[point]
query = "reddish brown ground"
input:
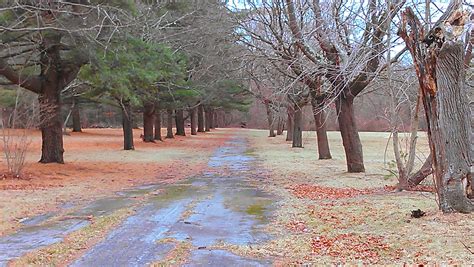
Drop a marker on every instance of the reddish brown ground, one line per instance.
(96, 166)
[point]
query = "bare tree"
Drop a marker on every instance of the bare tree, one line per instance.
(351, 40)
(15, 135)
(268, 35)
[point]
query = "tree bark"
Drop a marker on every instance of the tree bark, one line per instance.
(321, 135)
(51, 124)
(127, 126)
(158, 124)
(349, 134)
(76, 117)
(169, 125)
(200, 118)
(192, 116)
(290, 124)
(271, 127)
(180, 129)
(425, 170)
(54, 79)
(298, 128)
(449, 130)
(441, 75)
(319, 120)
(148, 121)
(317, 105)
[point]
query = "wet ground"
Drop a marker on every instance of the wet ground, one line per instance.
(220, 206)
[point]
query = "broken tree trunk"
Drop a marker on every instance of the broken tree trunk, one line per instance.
(441, 75)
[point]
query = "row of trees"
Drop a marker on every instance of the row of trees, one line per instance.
(144, 56)
(326, 53)
(193, 58)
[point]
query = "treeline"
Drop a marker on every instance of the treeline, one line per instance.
(326, 54)
(151, 57)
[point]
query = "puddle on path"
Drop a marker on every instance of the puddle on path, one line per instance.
(222, 258)
(203, 210)
(39, 232)
(217, 207)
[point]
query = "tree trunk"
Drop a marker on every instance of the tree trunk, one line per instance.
(407, 179)
(349, 134)
(192, 116)
(52, 149)
(290, 124)
(425, 170)
(208, 119)
(169, 125)
(216, 119)
(127, 125)
(319, 113)
(280, 126)
(200, 118)
(441, 75)
(180, 129)
(224, 119)
(148, 121)
(271, 127)
(448, 115)
(211, 118)
(158, 124)
(322, 136)
(76, 117)
(51, 125)
(298, 128)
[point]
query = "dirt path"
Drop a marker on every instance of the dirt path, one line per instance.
(184, 223)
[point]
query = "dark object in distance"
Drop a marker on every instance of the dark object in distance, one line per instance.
(417, 213)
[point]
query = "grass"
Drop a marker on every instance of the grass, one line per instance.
(382, 218)
(372, 228)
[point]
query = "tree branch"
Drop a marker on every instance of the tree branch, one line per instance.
(31, 83)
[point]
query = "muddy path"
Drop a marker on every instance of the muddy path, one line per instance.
(220, 206)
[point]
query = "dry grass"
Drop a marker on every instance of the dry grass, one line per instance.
(318, 218)
(96, 166)
(355, 228)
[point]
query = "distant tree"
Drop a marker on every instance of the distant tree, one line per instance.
(131, 73)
